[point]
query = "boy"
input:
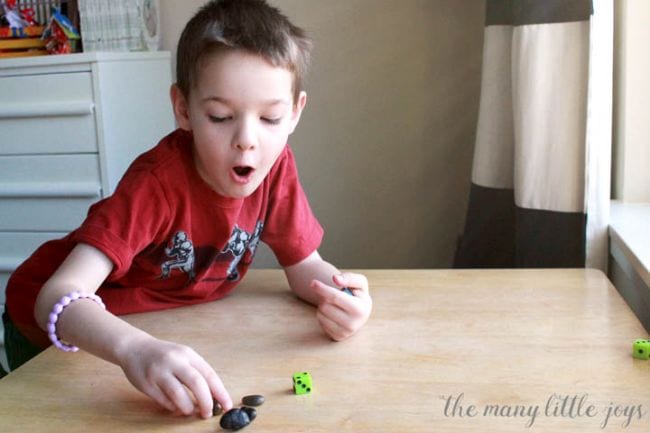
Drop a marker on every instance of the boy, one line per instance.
(183, 224)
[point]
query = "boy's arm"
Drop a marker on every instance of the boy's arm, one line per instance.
(160, 369)
(319, 283)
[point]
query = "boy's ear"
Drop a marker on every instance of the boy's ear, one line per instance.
(180, 107)
(297, 110)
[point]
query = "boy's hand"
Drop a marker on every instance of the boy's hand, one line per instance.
(339, 314)
(175, 376)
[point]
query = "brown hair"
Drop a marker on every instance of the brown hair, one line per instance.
(251, 25)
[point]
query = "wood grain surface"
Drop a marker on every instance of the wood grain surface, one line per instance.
(444, 351)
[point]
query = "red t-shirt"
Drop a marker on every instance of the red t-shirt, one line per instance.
(174, 241)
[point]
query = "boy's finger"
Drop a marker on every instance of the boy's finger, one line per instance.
(177, 394)
(334, 313)
(220, 393)
(332, 295)
(159, 397)
(217, 389)
(324, 292)
(198, 386)
(330, 327)
(352, 281)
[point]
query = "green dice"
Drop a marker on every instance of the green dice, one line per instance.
(302, 383)
(641, 349)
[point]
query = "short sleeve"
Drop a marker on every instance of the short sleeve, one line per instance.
(125, 223)
(291, 229)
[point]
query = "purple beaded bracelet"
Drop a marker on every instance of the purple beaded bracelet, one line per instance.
(58, 309)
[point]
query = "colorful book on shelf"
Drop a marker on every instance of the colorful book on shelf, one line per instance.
(21, 43)
(24, 32)
(28, 53)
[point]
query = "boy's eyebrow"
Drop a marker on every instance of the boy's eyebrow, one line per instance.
(270, 102)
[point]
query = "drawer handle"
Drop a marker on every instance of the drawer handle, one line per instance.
(45, 190)
(27, 110)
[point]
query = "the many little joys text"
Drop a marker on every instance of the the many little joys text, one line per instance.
(571, 407)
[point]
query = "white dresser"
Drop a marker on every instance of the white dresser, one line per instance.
(69, 127)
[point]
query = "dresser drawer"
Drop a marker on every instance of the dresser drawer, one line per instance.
(47, 193)
(65, 212)
(15, 248)
(42, 114)
(38, 169)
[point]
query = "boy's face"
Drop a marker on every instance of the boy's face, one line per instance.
(241, 112)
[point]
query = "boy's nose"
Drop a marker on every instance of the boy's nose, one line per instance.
(245, 138)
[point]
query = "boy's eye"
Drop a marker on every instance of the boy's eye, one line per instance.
(275, 121)
(217, 119)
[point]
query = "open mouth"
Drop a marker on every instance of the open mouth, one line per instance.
(243, 171)
(242, 174)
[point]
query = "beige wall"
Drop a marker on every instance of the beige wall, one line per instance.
(631, 96)
(385, 145)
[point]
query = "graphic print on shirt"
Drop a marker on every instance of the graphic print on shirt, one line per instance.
(182, 256)
(240, 241)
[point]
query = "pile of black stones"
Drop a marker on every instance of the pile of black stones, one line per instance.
(239, 417)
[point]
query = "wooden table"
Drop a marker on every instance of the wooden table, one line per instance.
(445, 350)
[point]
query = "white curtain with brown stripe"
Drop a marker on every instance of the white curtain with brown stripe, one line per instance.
(540, 179)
